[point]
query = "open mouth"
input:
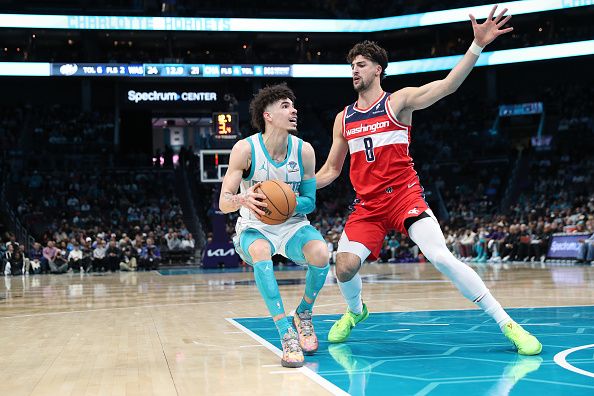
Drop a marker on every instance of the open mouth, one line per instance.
(356, 79)
(293, 120)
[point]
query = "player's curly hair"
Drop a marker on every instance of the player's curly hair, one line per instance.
(266, 96)
(372, 51)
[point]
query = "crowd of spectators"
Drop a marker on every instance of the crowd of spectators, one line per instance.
(114, 201)
(81, 253)
(69, 130)
(97, 222)
(84, 209)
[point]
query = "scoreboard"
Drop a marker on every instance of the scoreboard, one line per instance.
(168, 70)
(225, 128)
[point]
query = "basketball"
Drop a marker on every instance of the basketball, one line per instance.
(281, 201)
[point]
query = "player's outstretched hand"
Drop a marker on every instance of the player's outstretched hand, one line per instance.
(253, 200)
(486, 32)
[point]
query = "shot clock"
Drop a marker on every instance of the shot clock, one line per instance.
(225, 128)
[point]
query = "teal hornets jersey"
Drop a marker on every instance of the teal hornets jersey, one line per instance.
(264, 168)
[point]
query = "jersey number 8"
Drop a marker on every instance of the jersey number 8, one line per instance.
(368, 143)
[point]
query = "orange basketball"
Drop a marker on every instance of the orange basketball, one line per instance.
(281, 201)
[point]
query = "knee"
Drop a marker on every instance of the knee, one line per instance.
(441, 259)
(347, 265)
(316, 253)
(259, 250)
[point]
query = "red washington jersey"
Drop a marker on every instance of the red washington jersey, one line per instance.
(378, 144)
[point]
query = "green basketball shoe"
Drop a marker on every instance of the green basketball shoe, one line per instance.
(341, 329)
(525, 342)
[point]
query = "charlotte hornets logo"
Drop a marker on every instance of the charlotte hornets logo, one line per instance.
(292, 166)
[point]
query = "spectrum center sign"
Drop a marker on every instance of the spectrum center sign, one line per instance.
(170, 96)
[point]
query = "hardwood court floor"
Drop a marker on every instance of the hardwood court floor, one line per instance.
(147, 333)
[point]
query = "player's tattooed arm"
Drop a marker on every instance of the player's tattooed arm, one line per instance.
(251, 199)
(237, 200)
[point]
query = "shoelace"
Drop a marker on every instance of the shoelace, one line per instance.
(305, 323)
(292, 344)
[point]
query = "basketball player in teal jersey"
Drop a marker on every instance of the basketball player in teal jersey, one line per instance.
(376, 130)
(275, 153)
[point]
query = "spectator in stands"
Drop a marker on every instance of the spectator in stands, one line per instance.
(87, 255)
(12, 241)
(173, 241)
(393, 245)
(525, 240)
(150, 258)
(75, 259)
(17, 262)
(586, 252)
(511, 244)
(481, 246)
(36, 257)
(138, 246)
(58, 265)
(494, 240)
(99, 261)
(26, 261)
(8, 259)
(124, 241)
(128, 262)
(188, 243)
(466, 242)
(49, 256)
(113, 256)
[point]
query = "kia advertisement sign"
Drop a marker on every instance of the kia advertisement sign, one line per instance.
(219, 254)
(566, 246)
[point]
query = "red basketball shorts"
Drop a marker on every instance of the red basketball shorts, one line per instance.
(372, 219)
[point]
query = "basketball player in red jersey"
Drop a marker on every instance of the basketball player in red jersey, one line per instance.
(376, 130)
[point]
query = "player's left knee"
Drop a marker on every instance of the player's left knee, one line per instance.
(442, 258)
(316, 253)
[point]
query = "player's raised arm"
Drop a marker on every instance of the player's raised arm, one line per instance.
(229, 200)
(416, 98)
(333, 166)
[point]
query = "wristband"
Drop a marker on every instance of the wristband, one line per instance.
(475, 48)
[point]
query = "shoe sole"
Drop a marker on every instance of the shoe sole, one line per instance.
(531, 354)
(284, 363)
(309, 353)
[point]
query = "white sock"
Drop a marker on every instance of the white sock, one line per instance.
(351, 291)
(493, 309)
(428, 236)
